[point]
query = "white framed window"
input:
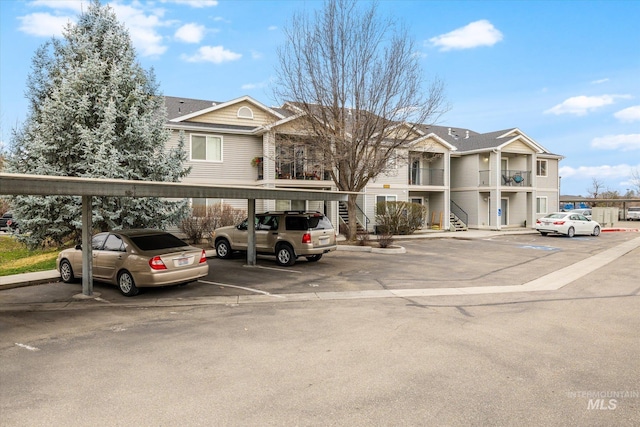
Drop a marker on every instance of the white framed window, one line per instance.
(206, 148)
(291, 205)
(205, 203)
(541, 205)
(245, 113)
(541, 168)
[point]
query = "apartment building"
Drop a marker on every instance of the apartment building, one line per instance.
(463, 178)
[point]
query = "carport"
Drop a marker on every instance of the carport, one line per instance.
(44, 185)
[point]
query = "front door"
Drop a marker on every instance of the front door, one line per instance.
(504, 206)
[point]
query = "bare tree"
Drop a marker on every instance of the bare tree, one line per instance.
(355, 80)
(596, 190)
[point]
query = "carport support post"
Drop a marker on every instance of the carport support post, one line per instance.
(251, 228)
(87, 270)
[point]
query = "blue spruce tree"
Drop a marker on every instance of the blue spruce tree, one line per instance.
(93, 112)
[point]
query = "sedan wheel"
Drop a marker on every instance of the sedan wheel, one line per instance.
(66, 272)
(127, 285)
(285, 255)
(571, 232)
(596, 231)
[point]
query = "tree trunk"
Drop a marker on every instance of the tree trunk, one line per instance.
(352, 209)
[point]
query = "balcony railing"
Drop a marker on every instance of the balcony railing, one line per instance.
(298, 171)
(426, 176)
(510, 178)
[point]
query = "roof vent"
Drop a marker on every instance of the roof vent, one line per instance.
(449, 131)
(467, 135)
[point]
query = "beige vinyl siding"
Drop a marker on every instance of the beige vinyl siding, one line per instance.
(465, 170)
(551, 180)
(517, 147)
(238, 150)
(229, 116)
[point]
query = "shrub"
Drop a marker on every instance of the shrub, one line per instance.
(399, 218)
(204, 220)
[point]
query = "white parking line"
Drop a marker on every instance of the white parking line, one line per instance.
(286, 270)
(242, 287)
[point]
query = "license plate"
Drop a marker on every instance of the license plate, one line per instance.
(324, 240)
(180, 262)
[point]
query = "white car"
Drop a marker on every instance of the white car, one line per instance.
(633, 213)
(585, 212)
(567, 223)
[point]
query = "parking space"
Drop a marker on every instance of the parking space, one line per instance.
(438, 263)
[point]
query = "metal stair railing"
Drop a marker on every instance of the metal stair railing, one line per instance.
(460, 213)
(361, 218)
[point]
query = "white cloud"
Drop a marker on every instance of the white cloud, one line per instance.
(142, 28)
(75, 5)
(214, 54)
(475, 34)
(256, 55)
(627, 142)
(190, 33)
(600, 172)
(272, 28)
(597, 82)
(44, 24)
(194, 3)
(631, 114)
(581, 105)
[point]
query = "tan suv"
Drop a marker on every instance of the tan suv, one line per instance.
(287, 235)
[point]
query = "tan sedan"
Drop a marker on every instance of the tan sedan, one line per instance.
(133, 259)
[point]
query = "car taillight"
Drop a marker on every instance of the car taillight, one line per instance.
(538, 222)
(558, 222)
(306, 238)
(203, 257)
(157, 264)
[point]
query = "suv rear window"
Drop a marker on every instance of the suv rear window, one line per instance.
(303, 223)
(157, 241)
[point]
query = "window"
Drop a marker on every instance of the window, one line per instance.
(205, 203)
(206, 148)
(245, 113)
(541, 205)
(384, 199)
(114, 244)
(541, 168)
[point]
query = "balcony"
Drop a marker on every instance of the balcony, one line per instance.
(508, 178)
(301, 171)
(426, 176)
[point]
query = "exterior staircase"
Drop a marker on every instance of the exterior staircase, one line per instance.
(457, 223)
(458, 217)
(343, 212)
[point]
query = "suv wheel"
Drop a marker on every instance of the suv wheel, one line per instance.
(285, 255)
(223, 249)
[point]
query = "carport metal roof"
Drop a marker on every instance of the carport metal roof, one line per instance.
(45, 185)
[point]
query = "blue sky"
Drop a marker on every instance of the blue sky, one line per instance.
(567, 73)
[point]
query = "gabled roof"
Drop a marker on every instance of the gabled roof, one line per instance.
(213, 106)
(462, 140)
(178, 107)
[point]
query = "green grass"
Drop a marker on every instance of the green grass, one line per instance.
(16, 258)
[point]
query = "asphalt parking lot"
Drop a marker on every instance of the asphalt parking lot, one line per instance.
(508, 260)
(307, 345)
